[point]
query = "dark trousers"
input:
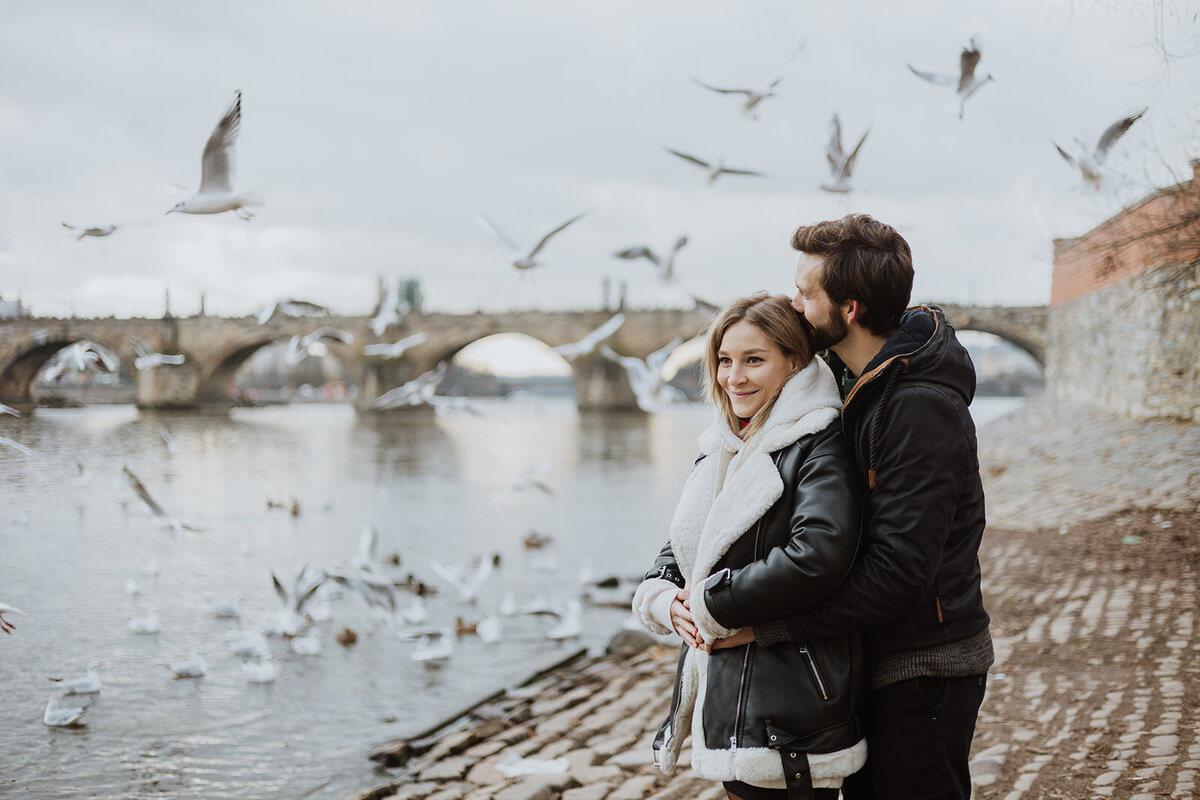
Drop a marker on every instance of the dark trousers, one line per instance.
(919, 740)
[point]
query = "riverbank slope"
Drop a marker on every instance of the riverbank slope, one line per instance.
(1091, 572)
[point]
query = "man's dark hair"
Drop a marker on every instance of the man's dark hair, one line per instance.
(865, 260)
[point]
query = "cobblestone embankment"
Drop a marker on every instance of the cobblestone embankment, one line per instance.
(1096, 687)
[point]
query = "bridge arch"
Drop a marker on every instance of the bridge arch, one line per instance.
(1022, 326)
(18, 377)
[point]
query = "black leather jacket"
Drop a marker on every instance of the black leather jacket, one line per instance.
(806, 695)
(917, 580)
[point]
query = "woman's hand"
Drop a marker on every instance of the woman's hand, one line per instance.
(681, 619)
(742, 636)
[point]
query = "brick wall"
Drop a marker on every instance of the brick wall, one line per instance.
(1123, 329)
(1162, 230)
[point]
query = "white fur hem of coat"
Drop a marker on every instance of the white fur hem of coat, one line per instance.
(762, 766)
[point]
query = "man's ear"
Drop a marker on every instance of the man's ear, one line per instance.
(851, 310)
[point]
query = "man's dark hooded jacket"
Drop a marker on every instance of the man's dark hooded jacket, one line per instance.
(916, 583)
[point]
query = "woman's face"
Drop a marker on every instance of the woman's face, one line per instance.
(751, 368)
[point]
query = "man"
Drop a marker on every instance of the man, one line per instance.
(914, 589)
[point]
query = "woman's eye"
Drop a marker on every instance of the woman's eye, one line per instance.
(725, 362)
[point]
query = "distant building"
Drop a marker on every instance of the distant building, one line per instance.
(13, 309)
(1124, 321)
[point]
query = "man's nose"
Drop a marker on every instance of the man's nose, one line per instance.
(798, 304)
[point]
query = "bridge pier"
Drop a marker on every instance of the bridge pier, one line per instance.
(602, 385)
(168, 387)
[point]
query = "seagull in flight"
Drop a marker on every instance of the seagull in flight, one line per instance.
(587, 345)
(416, 392)
(216, 171)
(529, 479)
(395, 349)
(5, 625)
(1090, 161)
(645, 374)
(97, 232)
(292, 308)
(519, 261)
(965, 83)
(714, 170)
(666, 267)
(390, 310)
(146, 359)
(756, 96)
(80, 356)
(840, 164)
(468, 582)
(141, 491)
(9, 410)
(301, 347)
(20, 448)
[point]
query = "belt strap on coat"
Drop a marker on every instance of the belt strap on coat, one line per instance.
(796, 773)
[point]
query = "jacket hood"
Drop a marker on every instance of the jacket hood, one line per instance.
(925, 341)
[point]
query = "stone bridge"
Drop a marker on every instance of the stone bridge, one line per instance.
(216, 347)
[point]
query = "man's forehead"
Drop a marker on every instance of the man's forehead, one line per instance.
(809, 267)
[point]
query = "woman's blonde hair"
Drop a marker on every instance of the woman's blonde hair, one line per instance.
(775, 317)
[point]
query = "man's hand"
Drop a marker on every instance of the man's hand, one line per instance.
(681, 619)
(742, 636)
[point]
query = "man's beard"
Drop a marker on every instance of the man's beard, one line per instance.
(826, 336)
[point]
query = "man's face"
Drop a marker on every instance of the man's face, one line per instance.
(825, 324)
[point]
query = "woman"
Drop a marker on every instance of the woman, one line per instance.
(768, 521)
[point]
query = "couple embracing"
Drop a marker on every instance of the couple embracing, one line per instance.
(822, 567)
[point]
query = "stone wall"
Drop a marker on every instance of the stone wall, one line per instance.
(1131, 347)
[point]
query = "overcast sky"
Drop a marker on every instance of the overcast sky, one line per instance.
(371, 129)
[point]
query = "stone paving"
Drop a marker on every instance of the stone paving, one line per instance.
(1096, 688)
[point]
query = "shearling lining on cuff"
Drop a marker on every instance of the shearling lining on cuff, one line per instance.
(771, 632)
(644, 598)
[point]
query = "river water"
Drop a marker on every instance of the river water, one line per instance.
(74, 538)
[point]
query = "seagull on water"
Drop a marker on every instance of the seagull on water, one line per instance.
(965, 83)
(395, 349)
(216, 171)
(227, 609)
(265, 670)
(97, 232)
(249, 644)
(714, 170)
(308, 645)
(5, 625)
(645, 374)
(191, 667)
(570, 623)
(147, 625)
(587, 345)
(57, 716)
(666, 267)
(434, 646)
(519, 261)
(88, 684)
(840, 164)
(1090, 160)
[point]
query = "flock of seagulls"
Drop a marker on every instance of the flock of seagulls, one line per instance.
(305, 609)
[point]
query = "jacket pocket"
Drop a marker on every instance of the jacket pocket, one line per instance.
(814, 671)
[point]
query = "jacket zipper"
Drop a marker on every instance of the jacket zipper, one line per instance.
(741, 704)
(816, 673)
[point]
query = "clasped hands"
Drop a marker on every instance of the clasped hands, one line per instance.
(685, 626)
